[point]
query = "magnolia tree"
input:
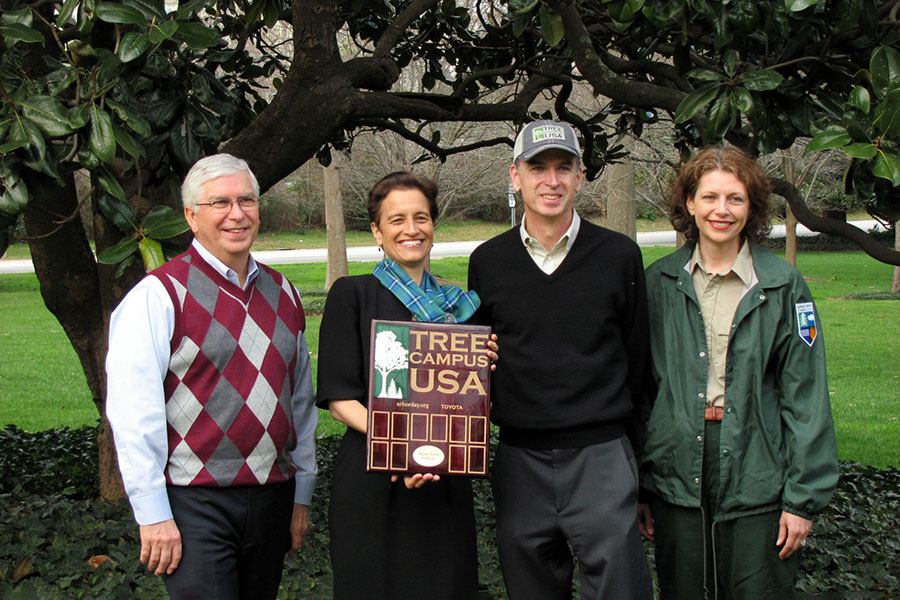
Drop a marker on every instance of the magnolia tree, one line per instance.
(133, 93)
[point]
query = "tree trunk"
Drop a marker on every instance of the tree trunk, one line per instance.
(70, 286)
(790, 220)
(334, 224)
(895, 285)
(620, 205)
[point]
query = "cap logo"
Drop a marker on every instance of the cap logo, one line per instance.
(547, 132)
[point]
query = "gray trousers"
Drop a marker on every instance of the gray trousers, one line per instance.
(584, 498)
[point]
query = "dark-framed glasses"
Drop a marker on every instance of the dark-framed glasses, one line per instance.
(223, 204)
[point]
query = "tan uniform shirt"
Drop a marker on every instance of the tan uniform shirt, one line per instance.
(549, 260)
(719, 295)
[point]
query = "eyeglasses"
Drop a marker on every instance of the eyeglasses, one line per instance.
(223, 204)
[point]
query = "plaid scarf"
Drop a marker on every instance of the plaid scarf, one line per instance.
(430, 302)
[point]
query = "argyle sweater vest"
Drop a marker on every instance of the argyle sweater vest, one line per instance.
(230, 380)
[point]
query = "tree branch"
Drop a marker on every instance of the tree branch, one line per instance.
(867, 243)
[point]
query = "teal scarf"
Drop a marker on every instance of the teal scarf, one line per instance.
(430, 302)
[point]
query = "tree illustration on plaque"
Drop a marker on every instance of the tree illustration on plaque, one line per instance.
(391, 355)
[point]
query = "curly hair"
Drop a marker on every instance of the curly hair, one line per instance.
(401, 180)
(731, 160)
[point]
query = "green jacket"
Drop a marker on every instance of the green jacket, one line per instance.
(777, 445)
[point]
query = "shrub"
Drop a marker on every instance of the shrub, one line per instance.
(58, 541)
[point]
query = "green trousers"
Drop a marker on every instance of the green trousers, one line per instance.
(697, 559)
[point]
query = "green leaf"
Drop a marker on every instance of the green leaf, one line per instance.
(859, 99)
(120, 214)
(120, 270)
(103, 138)
(152, 253)
(132, 46)
(163, 223)
(861, 150)
(887, 115)
(125, 248)
(551, 26)
(162, 30)
(184, 143)
(520, 25)
(23, 16)
(720, 117)
(887, 165)
(695, 101)
(119, 13)
(761, 80)
(24, 130)
(78, 116)
(127, 142)
(65, 12)
(110, 184)
(148, 8)
(833, 136)
(196, 35)
(49, 114)
(798, 5)
(885, 68)
(16, 32)
(730, 60)
(743, 100)
(705, 75)
(14, 197)
(136, 122)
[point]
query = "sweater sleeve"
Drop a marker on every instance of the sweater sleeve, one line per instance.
(812, 471)
(636, 336)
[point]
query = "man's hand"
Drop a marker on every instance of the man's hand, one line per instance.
(299, 526)
(161, 547)
(792, 532)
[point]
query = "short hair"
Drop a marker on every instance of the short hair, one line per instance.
(730, 160)
(209, 168)
(401, 180)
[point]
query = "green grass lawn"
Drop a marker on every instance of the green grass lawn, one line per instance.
(42, 386)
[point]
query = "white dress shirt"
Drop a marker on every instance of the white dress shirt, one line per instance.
(140, 333)
(549, 260)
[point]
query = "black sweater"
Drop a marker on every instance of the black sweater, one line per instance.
(573, 344)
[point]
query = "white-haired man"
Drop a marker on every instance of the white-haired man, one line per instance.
(211, 402)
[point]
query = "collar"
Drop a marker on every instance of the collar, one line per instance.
(742, 266)
(223, 269)
(568, 236)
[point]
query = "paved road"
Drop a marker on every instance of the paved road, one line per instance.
(440, 250)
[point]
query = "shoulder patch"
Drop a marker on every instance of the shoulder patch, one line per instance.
(806, 322)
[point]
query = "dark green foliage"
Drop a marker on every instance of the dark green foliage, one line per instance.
(53, 526)
(826, 242)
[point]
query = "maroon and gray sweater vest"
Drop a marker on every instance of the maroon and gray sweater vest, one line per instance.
(231, 375)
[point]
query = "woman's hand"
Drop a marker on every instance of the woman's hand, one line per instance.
(645, 521)
(417, 480)
(492, 351)
(792, 533)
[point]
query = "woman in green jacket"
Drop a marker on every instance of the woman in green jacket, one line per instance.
(740, 450)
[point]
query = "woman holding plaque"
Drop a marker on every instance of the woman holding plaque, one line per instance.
(392, 539)
(740, 448)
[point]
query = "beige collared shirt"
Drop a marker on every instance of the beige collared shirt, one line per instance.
(549, 260)
(719, 295)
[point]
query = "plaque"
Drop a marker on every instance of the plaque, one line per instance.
(429, 398)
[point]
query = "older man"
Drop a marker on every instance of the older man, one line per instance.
(567, 300)
(211, 402)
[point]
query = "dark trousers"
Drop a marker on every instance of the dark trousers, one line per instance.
(697, 559)
(233, 541)
(547, 500)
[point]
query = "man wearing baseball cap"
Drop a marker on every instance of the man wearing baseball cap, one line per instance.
(567, 299)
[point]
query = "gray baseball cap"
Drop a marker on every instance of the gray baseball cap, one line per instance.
(538, 136)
